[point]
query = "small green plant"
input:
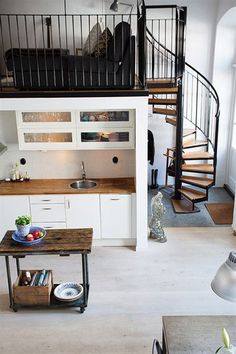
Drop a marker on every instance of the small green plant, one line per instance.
(23, 220)
(228, 348)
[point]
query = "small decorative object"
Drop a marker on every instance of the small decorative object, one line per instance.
(23, 225)
(158, 210)
(227, 347)
(68, 291)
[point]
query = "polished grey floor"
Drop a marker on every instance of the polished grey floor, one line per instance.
(199, 219)
(129, 293)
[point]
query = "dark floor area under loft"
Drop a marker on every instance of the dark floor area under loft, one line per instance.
(199, 219)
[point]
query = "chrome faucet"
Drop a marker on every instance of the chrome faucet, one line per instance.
(83, 171)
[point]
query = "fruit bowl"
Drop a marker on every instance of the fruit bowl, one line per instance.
(23, 240)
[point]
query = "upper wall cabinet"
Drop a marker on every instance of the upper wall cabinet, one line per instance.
(85, 130)
(46, 130)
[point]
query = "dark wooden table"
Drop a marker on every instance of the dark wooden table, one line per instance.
(62, 242)
(196, 334)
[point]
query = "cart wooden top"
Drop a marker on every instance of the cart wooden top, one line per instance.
(56, 241)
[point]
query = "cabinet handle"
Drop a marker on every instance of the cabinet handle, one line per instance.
(68, 204)
(48, 227)
(115, 199)
(46, 200)
(46, 208)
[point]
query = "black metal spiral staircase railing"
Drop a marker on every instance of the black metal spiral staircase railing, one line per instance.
(189, 99)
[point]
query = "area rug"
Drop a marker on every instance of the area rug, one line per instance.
(221, 213)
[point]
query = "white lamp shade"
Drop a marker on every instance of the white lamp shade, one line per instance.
(224, 283)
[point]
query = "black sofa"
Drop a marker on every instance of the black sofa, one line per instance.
(57, 69)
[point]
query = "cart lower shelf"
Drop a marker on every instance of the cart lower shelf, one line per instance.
(54, 303)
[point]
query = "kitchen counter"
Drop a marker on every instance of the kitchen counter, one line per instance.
(62, 186)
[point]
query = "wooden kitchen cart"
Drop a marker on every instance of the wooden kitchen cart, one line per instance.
(62, 242)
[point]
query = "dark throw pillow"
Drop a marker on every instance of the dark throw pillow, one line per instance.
(100, 49)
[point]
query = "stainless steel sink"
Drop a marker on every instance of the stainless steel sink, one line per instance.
(83, 184)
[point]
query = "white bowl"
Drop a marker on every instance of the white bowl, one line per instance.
(68, 291)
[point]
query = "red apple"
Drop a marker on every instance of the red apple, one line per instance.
(35, 232)
(36, 237)
(30, 237)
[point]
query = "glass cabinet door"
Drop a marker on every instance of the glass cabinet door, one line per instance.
(52, 139)
(45, 119)
(116, 118)
(106, 138)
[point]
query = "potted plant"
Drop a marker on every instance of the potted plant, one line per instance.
(23, 224)
(227, 347)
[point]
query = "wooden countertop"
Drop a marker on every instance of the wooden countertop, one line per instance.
(62, 186)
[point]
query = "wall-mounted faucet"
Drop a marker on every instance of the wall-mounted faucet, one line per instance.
(83, 171)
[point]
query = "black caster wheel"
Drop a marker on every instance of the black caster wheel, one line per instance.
(14, 309)
(82, 309)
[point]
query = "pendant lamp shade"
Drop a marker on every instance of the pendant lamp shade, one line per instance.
(114, 6)
(224, 283)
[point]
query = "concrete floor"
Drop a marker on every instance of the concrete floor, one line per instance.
(130, 291)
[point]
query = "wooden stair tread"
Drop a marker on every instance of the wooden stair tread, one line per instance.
(159, 81)
(162, 101)
(160, 90)
(197, 181)
(187, 132)
(171, 121)
(194, 143)
(197, 155)
(198, 168)
(165, 111)
(192, 194)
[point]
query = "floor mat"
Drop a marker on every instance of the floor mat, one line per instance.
(221, 213)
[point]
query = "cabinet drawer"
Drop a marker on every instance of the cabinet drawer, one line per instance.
(45, 199)
(49, 212)
(50, 225)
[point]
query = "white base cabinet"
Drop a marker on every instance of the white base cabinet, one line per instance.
(116, 216)
(83, 211)
(10, 208)
(110, 215)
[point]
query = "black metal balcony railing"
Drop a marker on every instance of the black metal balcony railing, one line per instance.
(54, 52)
(164, 34)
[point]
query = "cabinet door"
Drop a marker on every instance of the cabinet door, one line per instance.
(47, 139)
(105, 138)
(116, 216)
(29, 119)
(11, 207)
(83, 211)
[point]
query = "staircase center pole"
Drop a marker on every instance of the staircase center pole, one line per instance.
(181, 14)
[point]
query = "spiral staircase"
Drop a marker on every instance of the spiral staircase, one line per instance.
(189, 103)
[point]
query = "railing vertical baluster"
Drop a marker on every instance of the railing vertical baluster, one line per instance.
(153, 54)
(18, 38)
(82, 46)
(36, 52)
(90, 68)
(166, 53)
(3, 49)
(171, 41)
(114, 48)
(74, 50)
(98, 61)
(44, 53)
(106, 69)
(53, 59)
(60, 46)
(28, 52)
(196, 100)
(122, 51)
